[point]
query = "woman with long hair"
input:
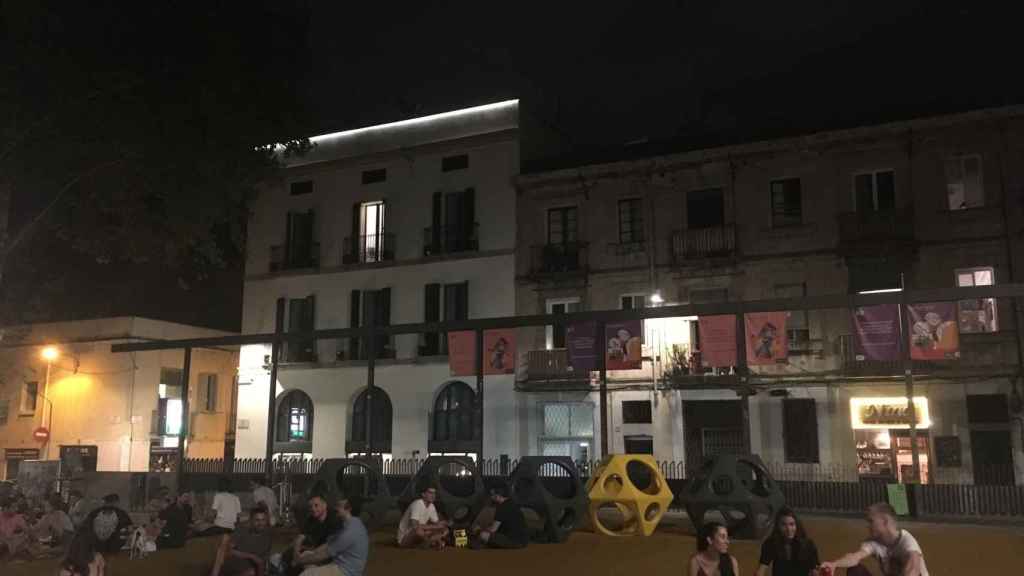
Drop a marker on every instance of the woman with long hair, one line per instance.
(788, 550)
(712, 557)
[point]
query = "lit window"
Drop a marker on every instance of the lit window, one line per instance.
(979, 314)
(964, 183)
(297, 424)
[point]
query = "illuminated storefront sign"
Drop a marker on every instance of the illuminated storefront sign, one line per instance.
(889, 413)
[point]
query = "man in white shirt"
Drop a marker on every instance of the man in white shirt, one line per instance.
(420, 526)
(226, 507)
(264, 496)
(897, 551)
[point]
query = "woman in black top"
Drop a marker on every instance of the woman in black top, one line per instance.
(788, 550)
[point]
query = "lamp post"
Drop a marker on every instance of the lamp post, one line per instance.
(50, 354)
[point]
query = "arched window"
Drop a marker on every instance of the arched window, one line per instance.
(380, 421)
(455, 419)
(294, 429)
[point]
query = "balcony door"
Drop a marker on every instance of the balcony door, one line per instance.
(562, 226)
(705, 208)
(371, 230)
(555, 335)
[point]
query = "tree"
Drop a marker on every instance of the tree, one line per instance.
(138, 133)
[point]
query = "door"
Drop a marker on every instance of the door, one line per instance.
(556, 334)
(993, 457)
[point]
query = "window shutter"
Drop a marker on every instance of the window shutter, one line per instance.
(354, 315)
(462, 301)
(286, 254)
(435, 222)
(468, 214)
(384, 307)
(309, 322)
(800, 430)
(356, 240)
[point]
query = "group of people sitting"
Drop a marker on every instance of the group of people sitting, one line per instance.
(789, 551)
(28, 535)
(422, 527)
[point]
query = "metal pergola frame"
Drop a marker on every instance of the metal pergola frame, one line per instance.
(599, 317)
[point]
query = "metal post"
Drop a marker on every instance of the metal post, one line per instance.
(741, 377)
(43, 420)
(601, 346)
(370, 322)
(185, 417)
(480, 390)
(275, 352)
(908, 379)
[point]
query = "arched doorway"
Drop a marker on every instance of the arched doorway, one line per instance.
(455, 420)
(380, 412)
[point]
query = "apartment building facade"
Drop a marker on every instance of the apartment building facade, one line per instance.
(64, 395)
(932, 203)
(406, 222)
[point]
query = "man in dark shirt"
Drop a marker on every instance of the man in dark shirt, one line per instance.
(322, 523)
(176, 519)
(508, 530)
(253, 542)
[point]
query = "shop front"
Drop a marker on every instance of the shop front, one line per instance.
(881, 430)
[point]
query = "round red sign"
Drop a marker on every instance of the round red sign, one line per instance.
(41, 433)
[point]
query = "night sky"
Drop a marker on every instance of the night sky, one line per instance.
(674, 74)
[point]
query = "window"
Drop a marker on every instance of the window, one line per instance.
(301, 318)
(294, 419)
(29, 397)
(555, 335)
(453, 223)
(787, 203)
(874, 191)
(988, 409)
(964, 186)
(977, 315)
(800, 429)
(636, 412)
(631, 221)
(366, 304)
(169, 402)
(370, 242)
(454, 305)
(568, 429)
(300, 249)
(374, 176)
(705, 208)
(562, 225)
(638, 444)
(301, 188)
(632, 302)
(455, 413)
(797, 330)
(452, 163)
(208, 392)
(380, 421)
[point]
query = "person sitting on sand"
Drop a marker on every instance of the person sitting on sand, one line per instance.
(83, 557)
(13, 530)
(347, 550)
(788, 551)
(420, 526)
(896, 550)
(508, 530)
(712, 557)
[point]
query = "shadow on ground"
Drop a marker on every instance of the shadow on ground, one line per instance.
(950, 550)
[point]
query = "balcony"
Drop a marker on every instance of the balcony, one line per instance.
(368, 249)
(869, 233)
(553, 259)
(354, 349)
(542, 365)
(281, 258)
(692, 244)
(450, 239)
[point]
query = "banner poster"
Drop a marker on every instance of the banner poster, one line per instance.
(718, 341)
(461, 346)
(500, 348)
(623, 347)
(933, 331)
(766, 337)
(877, 332)
(581, 341)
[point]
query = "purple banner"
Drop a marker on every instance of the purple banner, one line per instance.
(581, 342)
(877, 332)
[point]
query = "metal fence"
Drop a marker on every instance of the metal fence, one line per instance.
(823, 488)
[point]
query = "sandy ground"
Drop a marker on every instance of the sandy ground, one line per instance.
(950, 549)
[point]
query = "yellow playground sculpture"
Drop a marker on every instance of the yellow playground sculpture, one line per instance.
(633, 484)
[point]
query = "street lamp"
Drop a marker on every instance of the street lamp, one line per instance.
(50, 354)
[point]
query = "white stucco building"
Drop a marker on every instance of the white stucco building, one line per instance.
(116, 411)
(409, 222)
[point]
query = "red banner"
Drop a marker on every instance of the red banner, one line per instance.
(500, 348)
(933, 330)
(461, 348)
(623, 346)
(766, 337)
(718, 341)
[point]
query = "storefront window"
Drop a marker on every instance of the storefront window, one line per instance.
(882, 434)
